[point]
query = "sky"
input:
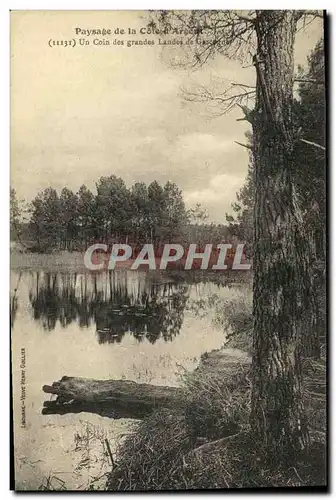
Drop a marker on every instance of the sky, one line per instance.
(78, 113)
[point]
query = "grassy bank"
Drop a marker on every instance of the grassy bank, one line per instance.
(209, 444)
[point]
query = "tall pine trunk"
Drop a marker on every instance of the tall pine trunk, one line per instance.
(281, 260)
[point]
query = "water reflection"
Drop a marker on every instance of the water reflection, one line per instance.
(117, 303)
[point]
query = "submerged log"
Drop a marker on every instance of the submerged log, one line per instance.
(110, 398)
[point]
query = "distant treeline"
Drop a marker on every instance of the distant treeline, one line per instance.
(146, 310)
(116, 213)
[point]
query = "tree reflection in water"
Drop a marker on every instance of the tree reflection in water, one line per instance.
(14, 302)
(117, 302)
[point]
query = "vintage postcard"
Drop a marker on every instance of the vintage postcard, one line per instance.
(168, 250)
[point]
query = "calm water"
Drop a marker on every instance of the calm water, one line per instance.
(137, 326)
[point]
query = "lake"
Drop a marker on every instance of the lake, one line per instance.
(140, 326)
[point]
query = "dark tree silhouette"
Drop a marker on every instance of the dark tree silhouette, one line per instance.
(151, 311)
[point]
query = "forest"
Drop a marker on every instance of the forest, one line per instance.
(272, 432)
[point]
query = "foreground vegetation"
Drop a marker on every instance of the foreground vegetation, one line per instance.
(209, 444)
(113, 214)
(253, 440)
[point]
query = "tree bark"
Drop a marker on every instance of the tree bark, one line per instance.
(281, 259)
(110, 398)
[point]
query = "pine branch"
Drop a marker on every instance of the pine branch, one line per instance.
(313, 144)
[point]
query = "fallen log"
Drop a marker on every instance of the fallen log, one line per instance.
(110, 398)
